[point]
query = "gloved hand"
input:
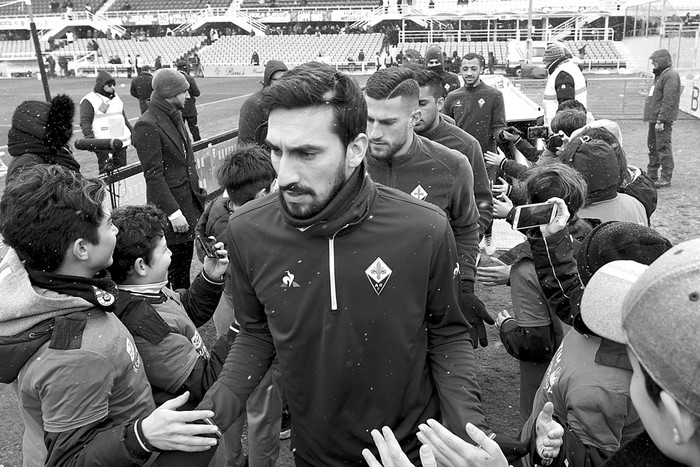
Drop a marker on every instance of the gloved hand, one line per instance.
(476, 314)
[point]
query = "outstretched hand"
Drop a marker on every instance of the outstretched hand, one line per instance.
(493, 275)
(170, 430)
(550, 435)
(452, 451)
(391, 454)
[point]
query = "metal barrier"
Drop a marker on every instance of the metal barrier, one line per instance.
(127, 185)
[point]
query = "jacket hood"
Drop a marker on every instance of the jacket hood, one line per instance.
(23, 306)
(663, 59)
(27, 315)
(41, 127)
(597, 162)
(103, 77)
(434, 52)
(270, 68)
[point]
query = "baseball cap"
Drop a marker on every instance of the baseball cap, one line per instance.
(655, 310)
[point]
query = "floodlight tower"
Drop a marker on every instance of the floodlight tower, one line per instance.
(529, 33)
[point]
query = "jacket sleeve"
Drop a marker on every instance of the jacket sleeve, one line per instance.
(149, 148)
(557, 272)
(530, 152)
(201, 230)
(512, 168)
(207, 370)
(450, 352)
(133, 89)
(201, 299)
(99, 443)
(529, 335)
(87, 114)
(482, 188)
(531, 344)
(194, 89)
(498, 120)
(464, 219)
(669, 100)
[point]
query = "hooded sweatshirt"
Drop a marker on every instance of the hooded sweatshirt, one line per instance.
(665, 94)
(252, 123)
(40, 133)
(450, 81)
(59, 333)
(102, 113)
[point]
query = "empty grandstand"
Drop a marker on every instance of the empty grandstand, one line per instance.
(85, 33)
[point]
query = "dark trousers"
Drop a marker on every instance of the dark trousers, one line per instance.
(110, 160)
(660, 151)
(194, 129)
(180, 264)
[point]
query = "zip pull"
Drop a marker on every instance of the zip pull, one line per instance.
(331, 272)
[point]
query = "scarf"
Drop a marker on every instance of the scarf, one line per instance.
(175, 116)
(100, 291)
(348, 208)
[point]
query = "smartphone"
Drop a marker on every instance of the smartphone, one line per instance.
(533, 215)
(207, 245)
(535, 132)
(208, 421)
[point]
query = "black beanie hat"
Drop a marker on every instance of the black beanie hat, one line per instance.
(51, 123)
(615, 240)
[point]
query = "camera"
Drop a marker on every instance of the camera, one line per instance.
(540, 131)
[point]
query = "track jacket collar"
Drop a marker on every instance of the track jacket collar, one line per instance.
(349, 207)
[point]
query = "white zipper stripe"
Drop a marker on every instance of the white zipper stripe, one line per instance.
(331, 270)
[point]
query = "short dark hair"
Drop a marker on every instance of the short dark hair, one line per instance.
(572, 104)
(140, 230)
(606, 135)
(389, 83)
(245, 172)
(555, 179)
(472, 56)
(568, 121)
(652, 387)
(430, 79)
(315, 84)
(45, 208)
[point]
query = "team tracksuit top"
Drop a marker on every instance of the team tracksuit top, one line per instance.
(434, 173)
(479, 110)
(361, 305)
(453, 137)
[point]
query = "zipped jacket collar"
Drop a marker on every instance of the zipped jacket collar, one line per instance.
(347, 209)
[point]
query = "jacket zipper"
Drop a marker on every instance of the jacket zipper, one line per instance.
(331, 272)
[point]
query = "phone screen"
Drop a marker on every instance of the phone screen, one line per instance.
(532, 215)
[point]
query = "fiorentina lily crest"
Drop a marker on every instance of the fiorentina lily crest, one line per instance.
(378, 274)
